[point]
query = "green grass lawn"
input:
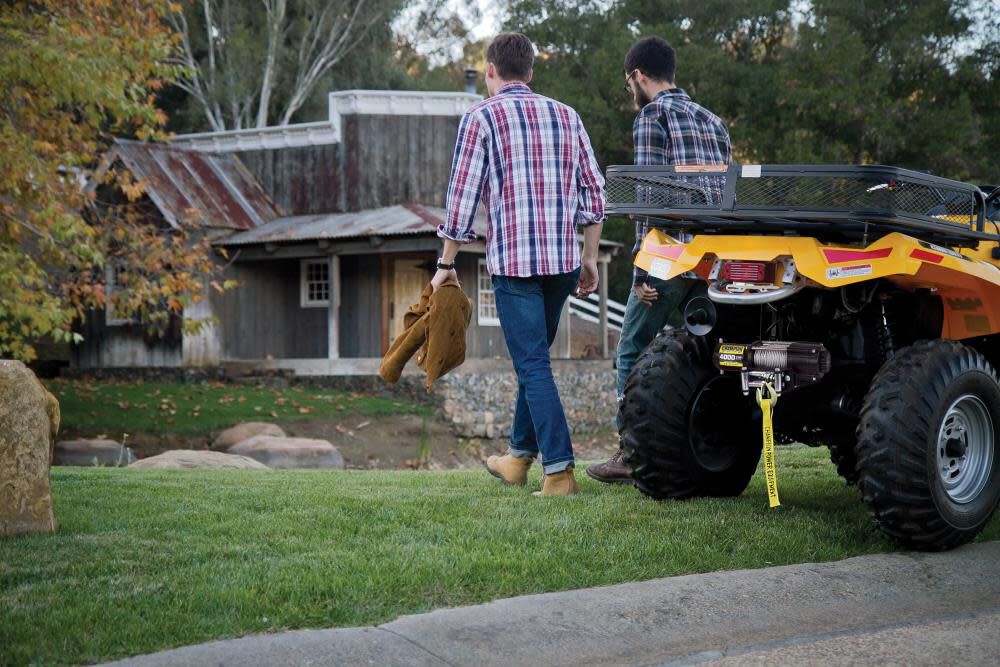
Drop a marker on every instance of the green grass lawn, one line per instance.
(114, 408)
(148, 560)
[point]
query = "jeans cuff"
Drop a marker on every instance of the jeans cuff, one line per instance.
(522, 453)
(558, 466)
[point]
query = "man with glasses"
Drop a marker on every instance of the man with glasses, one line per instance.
(530, 158)
(670, 129)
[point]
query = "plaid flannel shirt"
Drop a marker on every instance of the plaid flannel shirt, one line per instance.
(529, 158)
(673, 130)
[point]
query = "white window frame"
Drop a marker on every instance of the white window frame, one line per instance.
(111, 270)
(304, 300)
(483, 278)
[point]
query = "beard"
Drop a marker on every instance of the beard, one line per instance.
(641, 98)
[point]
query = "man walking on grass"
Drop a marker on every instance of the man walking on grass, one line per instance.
(670, 129)
(530, 159)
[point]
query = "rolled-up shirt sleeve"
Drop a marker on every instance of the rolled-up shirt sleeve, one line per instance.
(590, 183)
(468, 177)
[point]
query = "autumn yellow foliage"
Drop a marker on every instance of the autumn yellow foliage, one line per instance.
(73, 75)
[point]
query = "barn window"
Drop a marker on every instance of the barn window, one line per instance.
(487, 312)
(315, 283)
(113, 272)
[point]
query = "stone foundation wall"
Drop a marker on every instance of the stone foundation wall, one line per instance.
(478, 398)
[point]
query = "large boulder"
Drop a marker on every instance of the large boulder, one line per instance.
(85, 452)
(244, 431)
(177, 459)
(290, 452)
(29, 422)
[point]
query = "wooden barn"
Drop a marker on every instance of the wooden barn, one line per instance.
(330, 230)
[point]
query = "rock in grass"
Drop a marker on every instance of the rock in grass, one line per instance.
(243, 431)
(290, 452)
(91, 452)
(29, 421)
(177, 459)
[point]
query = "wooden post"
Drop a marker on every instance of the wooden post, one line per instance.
(333, 310)
(602, 292)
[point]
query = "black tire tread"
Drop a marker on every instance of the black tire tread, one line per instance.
(892, 448)
(656, 405)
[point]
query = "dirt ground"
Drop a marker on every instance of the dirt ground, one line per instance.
(391, 442)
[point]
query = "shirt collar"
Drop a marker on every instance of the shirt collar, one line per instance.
(514, 87)
(679, 92)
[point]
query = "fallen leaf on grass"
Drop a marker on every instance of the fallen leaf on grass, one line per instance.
(305, 411)
(362, 425)
(343, 429)
(257, 408)
(123, 405)
(273, 413)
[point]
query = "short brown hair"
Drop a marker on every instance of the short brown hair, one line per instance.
(513, 54)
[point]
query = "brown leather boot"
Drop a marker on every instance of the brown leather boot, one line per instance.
(509, 469)
(612, 471)
(559, 484)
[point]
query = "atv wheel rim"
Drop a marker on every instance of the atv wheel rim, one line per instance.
(965, 445)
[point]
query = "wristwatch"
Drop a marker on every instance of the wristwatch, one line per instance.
(445, 267)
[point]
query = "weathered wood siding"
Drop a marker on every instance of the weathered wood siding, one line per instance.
(262, 316)
(123, 346)
(300, 180)
(360, 306)
(392, 160)
(203, 348)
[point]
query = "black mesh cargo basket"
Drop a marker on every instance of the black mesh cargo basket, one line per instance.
(843, 199)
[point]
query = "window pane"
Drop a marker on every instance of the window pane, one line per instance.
(317, 282)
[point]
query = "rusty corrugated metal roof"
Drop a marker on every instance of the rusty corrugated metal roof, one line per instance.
(213, 189)
(406, 219)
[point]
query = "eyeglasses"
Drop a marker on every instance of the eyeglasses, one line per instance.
(626, 87)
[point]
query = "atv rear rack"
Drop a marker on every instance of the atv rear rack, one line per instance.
(854, 203)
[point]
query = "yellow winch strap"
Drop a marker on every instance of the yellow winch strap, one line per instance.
(766, 407)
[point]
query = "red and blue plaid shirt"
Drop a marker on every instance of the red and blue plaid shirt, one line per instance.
(529, 158)
(673, 130)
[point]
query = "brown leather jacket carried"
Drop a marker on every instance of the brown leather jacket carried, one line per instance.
(434, 331)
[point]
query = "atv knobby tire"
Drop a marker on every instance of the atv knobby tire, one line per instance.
(928, 447)
(687, 430)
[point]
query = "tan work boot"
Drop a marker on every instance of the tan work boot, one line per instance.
(559, 484)
(509, 469)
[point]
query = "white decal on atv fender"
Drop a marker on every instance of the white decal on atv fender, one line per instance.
(750, 171)
(841, 272)
(660, 268)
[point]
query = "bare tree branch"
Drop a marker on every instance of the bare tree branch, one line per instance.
(249, 54)
(275, 21)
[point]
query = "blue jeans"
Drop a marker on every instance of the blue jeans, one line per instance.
(641, 323)
(529, 310)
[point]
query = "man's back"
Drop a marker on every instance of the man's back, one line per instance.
(673, 130)
(531, 159)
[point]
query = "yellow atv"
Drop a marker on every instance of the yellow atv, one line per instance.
(867, 297)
